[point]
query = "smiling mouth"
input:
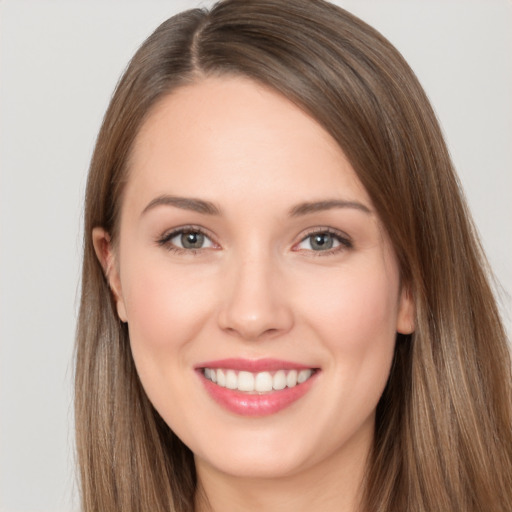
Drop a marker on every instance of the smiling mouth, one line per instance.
(256, 388)
(257, 383)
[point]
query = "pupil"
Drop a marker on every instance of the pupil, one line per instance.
(322, 241)
(192, 240)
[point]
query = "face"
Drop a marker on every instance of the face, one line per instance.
(261, 292)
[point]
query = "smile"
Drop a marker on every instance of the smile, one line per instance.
(261, 382)
(256, 388)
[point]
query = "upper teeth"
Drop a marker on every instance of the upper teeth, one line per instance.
(260, 382)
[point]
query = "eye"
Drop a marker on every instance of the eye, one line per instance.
(186, 239)
(324, 241)
(191, 240)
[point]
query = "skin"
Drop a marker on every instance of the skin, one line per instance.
(257, 289)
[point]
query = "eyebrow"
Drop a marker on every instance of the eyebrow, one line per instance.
(209, 208)
(318, 206)
(185, 203)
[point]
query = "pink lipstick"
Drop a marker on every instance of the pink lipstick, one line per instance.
(256, 387)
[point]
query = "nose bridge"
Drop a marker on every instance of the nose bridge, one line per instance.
(254, 304)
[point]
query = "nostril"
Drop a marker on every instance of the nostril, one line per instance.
(252, 335)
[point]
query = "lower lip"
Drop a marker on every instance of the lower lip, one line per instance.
(245, 404)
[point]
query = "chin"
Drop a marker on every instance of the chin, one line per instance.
(255, 465)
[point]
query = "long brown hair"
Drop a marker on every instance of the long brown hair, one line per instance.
(443, 439)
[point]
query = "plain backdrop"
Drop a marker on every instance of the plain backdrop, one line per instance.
(59, 62)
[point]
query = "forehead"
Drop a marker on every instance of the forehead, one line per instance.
(230, 134)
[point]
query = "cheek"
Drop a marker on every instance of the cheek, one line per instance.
(356, 309)
(166, 308)
(354, 315)
(357, 321)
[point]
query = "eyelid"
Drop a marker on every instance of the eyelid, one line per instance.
(164, 240)
(344, 240)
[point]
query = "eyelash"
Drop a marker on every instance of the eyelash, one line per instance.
(344, 241)
(165, 240)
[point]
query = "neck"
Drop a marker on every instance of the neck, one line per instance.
(329, 486)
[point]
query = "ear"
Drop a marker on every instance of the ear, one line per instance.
(405, 323)
(107, 258)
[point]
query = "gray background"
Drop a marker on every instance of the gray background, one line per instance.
(59, 62)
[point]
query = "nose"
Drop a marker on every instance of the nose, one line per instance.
(255, 303)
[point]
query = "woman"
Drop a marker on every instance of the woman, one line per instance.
(284, 303)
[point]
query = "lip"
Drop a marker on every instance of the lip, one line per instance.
(252, 365)
(245, 404)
